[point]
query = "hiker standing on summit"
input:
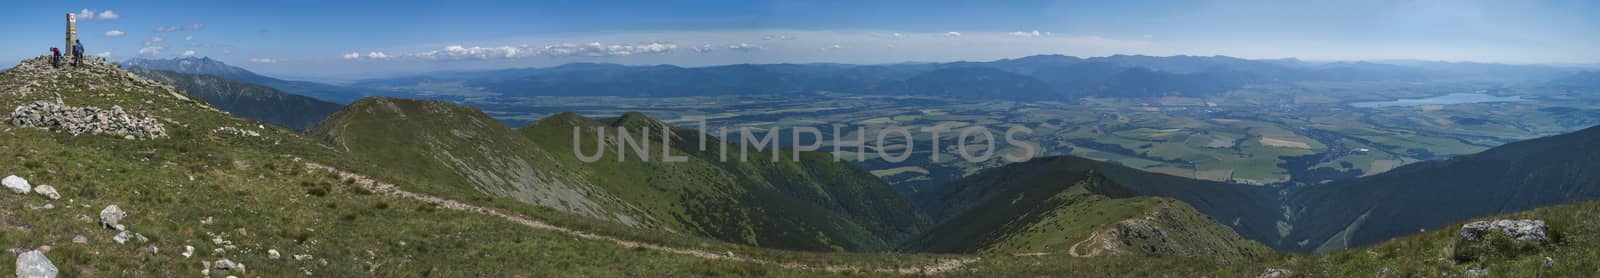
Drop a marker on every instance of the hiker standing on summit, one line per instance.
(77, 53)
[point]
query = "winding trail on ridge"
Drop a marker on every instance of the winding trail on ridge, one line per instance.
(390, 189)
(1073, 251)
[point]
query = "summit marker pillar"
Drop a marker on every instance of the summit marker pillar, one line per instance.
(72, 35)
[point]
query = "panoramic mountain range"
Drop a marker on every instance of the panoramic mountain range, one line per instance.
(419, 180)
(1043, 77)
(1032, 78)
(481, 154)
(207, 66)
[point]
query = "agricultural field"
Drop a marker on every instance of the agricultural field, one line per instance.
(1264, 135)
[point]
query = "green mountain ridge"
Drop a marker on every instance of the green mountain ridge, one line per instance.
(204, 187)
(1513, 177)
(813, 204)
(1055, 205)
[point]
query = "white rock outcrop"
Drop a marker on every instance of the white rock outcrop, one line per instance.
(48, 191)
(16, 185)
(111, 216)
(1521, 230)
(34, 264)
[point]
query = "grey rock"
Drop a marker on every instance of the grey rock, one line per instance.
(111, 215)
(1521, 230)
(122, 237)
(34, 264)
(16, 184)
(48, 191)
(1480, 271)
(80, 239)
(1275, 273)
(227, 265)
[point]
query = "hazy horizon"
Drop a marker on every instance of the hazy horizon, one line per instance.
(355, 38)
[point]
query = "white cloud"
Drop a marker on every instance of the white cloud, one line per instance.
(777, 38)
(151, 50)
(369, 55)
(707, 48)
(897, 35)
(186, 27)
(86, 14)
(952, 34)
(187, 53)
(108, 15)
(188, 38)
(745, 47)
(115, 33)
(593, 49)
(263, 60)
(106, 54)
(1035, 33)
(832, 47)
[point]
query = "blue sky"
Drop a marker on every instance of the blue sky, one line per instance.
(323, 39)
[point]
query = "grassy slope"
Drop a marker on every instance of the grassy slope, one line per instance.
(1427, 254)
(460, 149)
(784, 204)
(753, 203)
(1250, 211)
(1023, 210)
(1516, 176)
(261, 198)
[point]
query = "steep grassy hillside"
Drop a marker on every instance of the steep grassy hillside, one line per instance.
(1573, 250)
(206, 184)
(247, 100)
(815, 204)
(811, 202)
(1252, 212)
(461, 149)
(1516, 176)
(1019, 209)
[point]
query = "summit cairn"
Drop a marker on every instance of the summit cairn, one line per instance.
(79, 120)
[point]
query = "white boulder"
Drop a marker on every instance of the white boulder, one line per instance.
(34, 264)
(48, 191)
(111, 215)
(16, 185)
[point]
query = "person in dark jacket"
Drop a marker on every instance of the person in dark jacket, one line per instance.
(77, 52)
(55, 57)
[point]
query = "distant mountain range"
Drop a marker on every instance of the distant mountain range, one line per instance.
(207, 66)
(1041, 77)
(247, 100)
(1028, 78)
